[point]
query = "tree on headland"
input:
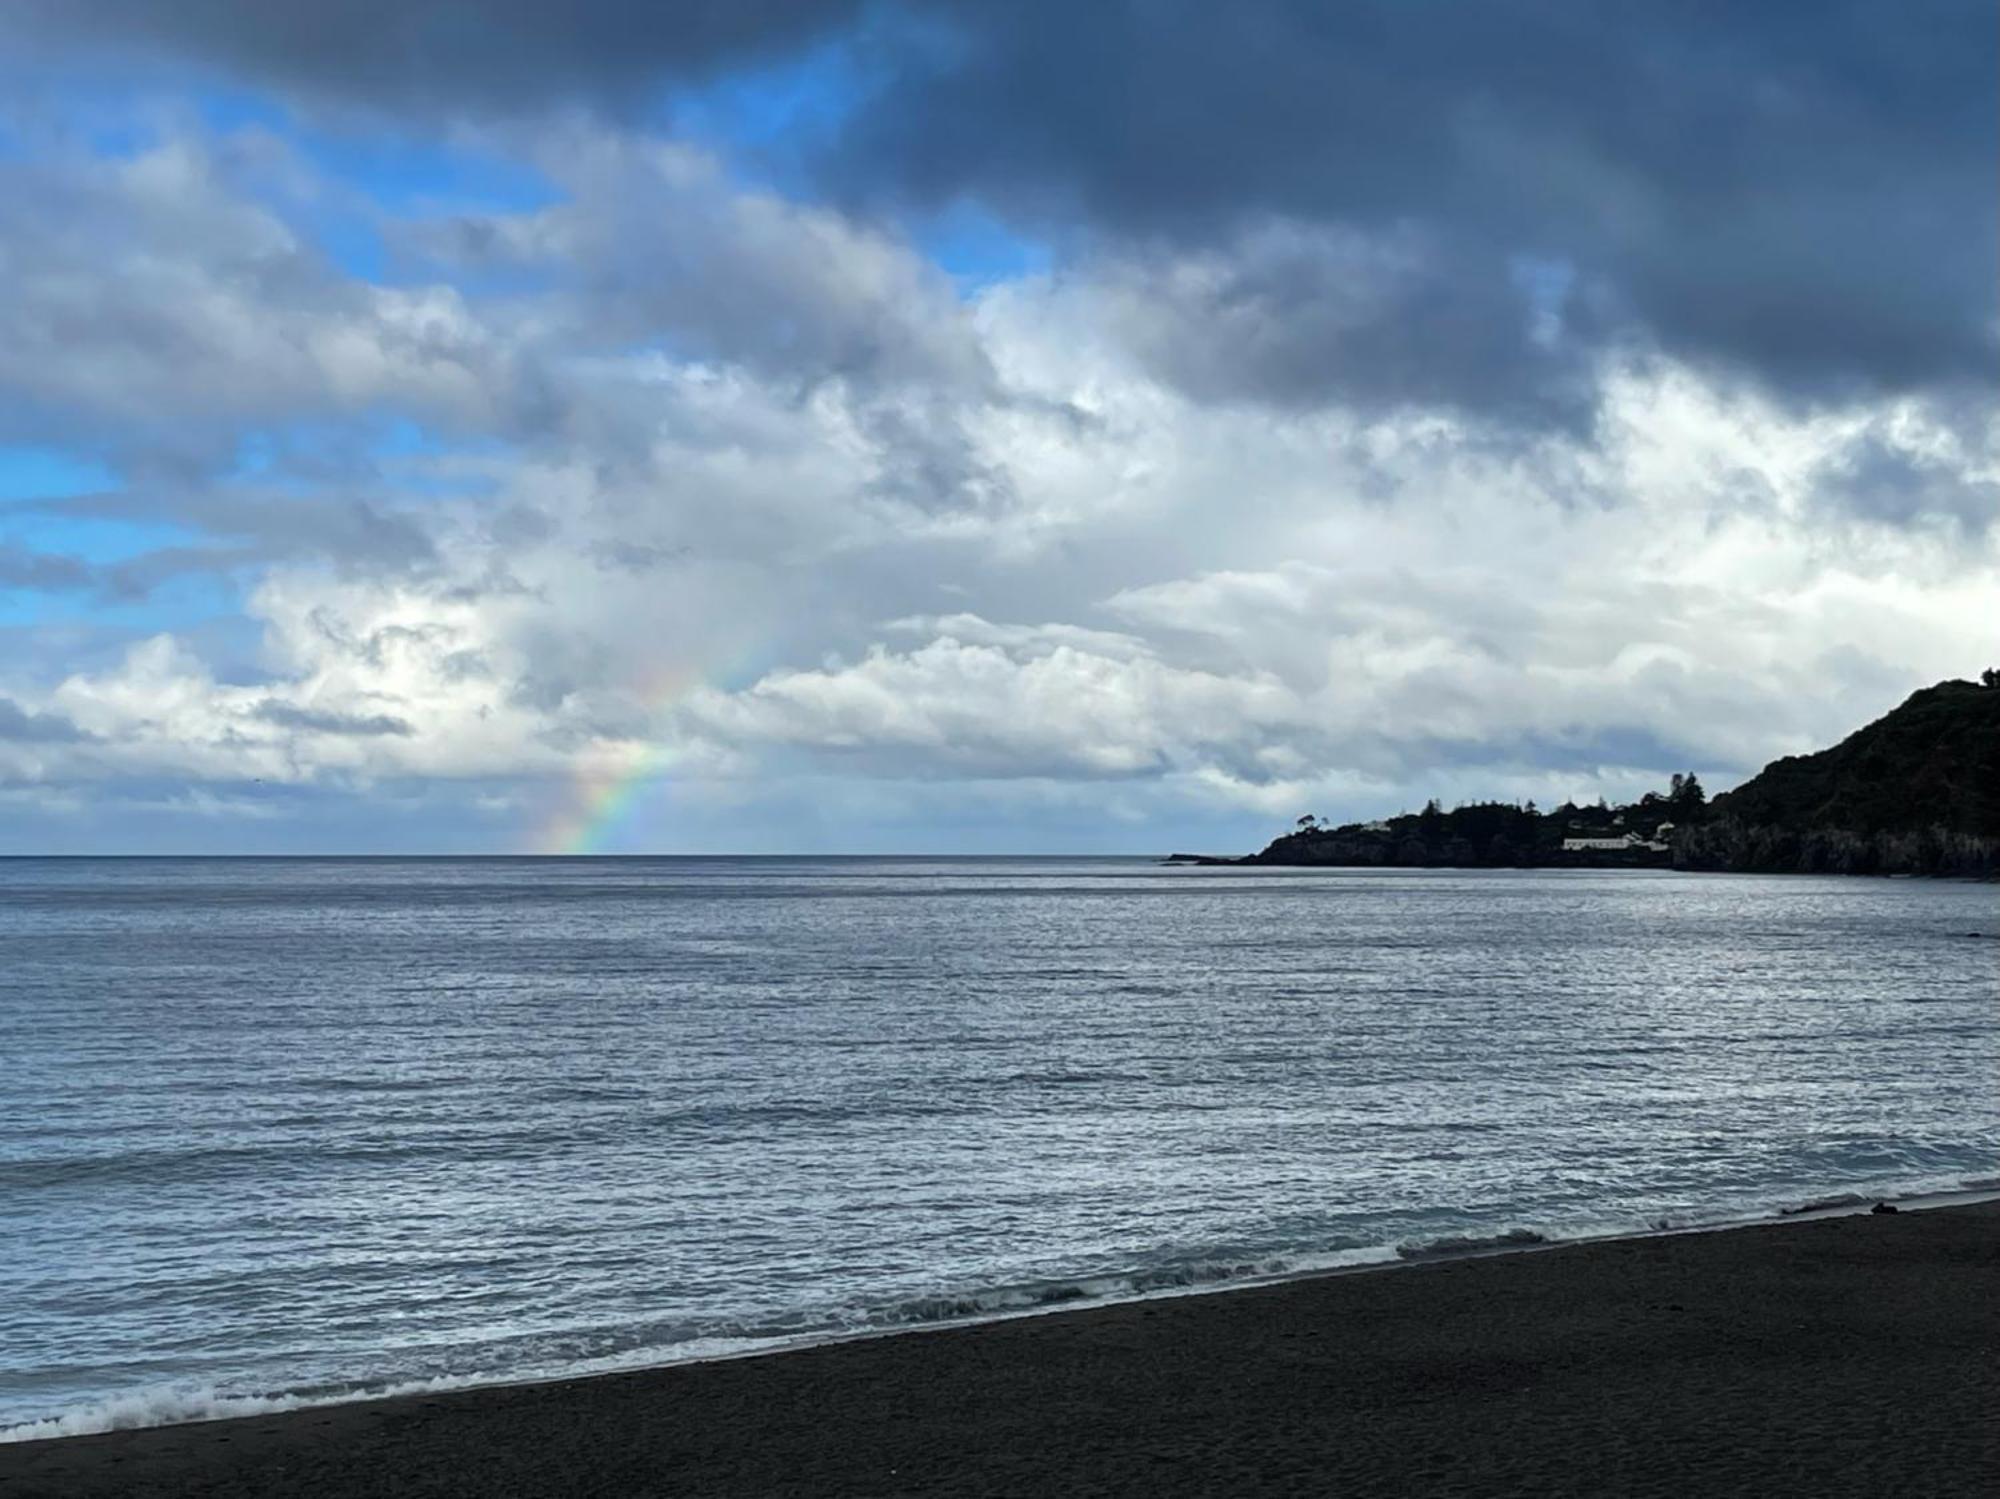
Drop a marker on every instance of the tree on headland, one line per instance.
(1913, 793)
(1491, 833)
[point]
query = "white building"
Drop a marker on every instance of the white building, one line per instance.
(1621, 844)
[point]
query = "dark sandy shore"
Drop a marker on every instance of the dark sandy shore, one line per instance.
(1855, 1355)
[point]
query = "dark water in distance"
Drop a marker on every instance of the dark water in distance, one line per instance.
(285, 1128)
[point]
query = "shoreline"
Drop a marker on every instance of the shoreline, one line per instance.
(1059, 1297)
(1800, 1307)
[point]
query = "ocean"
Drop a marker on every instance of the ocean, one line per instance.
(281, 1131)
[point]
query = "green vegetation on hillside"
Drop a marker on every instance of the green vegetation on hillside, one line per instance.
(1500, 834)
(1915, 792)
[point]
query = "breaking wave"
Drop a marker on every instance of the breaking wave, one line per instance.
(1825, 1204)
(1129, 1285)
(1448, 1245)
(173, 1404)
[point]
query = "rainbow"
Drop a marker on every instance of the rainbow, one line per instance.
(602, 796)
(609, 784)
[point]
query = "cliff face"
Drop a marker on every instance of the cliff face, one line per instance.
(1915, 792)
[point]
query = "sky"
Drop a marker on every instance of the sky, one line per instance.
(934, 426)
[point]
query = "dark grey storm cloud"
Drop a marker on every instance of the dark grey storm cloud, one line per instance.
(419, 54)
(1292, 315)
(1877, 481)
(1803, 191)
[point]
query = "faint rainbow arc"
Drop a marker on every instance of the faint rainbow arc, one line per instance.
(601, 797)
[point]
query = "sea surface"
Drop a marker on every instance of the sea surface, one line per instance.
(274, 1131)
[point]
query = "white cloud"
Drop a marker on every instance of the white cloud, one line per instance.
(157, 304)
(781, 505)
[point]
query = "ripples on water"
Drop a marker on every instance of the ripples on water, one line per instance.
(291, 1127)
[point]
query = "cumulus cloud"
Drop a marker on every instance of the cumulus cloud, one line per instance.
(158, 310)
(1904, 470)
(952, 707)
(1464, 433)
(1548, 622)
(651, 242)
(22, 726)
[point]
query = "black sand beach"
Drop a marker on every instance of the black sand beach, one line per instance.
(1855, 1355)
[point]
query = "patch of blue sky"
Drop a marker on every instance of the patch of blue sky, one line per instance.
(96, 539)
(39, 109)
(407, 180)
(421, 462)
(404, 439)
(1545, 282)
(768, 124)
(770, 127)
(977, 250)
(301, 457)
(39, 473)
(177, 605)
(395, 452)
(401, 173)
(121, 138)
(380, 176)
(35, 484)
(355, 245)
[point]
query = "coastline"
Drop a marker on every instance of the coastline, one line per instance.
(153, 1407)
(1832, 1352)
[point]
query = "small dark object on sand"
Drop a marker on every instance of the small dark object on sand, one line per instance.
(1885, 1207)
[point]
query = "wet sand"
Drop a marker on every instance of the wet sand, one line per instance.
(1855, 1355)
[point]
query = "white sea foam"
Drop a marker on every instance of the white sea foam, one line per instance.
(164, 1405)
(175, 1404)
(1185, 1276)
(1448, 1245)
(178, 1403)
